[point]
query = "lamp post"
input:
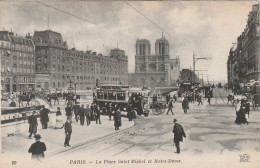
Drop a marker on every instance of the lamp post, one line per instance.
(195, 59)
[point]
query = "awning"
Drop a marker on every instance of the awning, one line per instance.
(165, 90)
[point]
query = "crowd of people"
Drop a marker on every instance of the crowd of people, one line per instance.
(91, 113)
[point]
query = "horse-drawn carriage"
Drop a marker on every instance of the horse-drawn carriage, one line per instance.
(158, 104)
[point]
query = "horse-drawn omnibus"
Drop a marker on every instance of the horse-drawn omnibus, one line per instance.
(122, 96)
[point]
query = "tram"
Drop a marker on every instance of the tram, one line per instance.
(122, 95)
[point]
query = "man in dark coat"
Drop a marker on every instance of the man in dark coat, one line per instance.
(68, 131)
(108, 109)
(44, 115)
(170, 106)
(117, 119)
(97, 109)
(88, 114)
(76, 109)
(167, 99)
(130, 112)
(81, 112)
(32, 120)
(178, 134)
(68, 110)
(37, 149)
(185, 105)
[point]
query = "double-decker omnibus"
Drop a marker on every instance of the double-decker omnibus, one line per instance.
(120, 95)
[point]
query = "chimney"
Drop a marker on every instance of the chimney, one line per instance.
(94, 53)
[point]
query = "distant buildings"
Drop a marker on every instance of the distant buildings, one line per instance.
(17, 62)
(56, 65)
(154, 70)
(44, 62)
(243, 62)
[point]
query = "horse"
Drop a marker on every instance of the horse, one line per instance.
(54, 97)
(22, 98)
(72, 98)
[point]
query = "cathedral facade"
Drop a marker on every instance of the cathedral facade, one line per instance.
(154, 69)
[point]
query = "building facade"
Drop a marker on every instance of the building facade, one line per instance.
(56, 65)
(17, 62)
(243, 62)
(154, 70)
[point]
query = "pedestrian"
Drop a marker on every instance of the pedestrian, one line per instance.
(178, 134)
(113, 110)
(170, 106)
(81, 113)
(185, 105)
(44, 116)
(97, 109)
(104, 110)
(129, 112)
(59, 119)
(117, 119)
(199, 100)
(68, 110)
(240, 113)
(247, 105)
(209, 99)
(38, 148)
(108, 109)
(88, 114)
(68, 131)
(58, 111)
(32, 120)
(175, 98)
(167, 99)
(76, 109)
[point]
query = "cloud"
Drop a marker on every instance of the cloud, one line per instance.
(207, 28)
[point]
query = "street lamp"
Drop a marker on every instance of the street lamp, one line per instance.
(75, 84)
(195, 59)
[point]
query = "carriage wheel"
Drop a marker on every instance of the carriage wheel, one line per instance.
(134, 112)
(162, 111)
(157, 109)
(146, 110)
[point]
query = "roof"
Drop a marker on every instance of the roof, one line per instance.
(21, 40)
(142, 40)
(4, 36)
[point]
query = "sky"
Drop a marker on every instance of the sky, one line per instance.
(206, 29)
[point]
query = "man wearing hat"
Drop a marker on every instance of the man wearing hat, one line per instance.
(32, 120)
(37, 149)
(178, 134)
(68, 131)
(44, 116)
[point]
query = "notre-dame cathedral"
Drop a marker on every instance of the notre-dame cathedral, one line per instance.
(154, 69)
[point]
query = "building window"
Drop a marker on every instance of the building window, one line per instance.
(53, 84)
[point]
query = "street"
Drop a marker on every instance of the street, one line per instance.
(210, 130)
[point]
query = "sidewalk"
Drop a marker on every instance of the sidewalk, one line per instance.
(54, 138)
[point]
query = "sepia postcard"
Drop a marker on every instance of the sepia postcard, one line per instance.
(130, 84)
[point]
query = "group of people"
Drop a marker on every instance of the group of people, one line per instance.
(33, 123)
(93, 112)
